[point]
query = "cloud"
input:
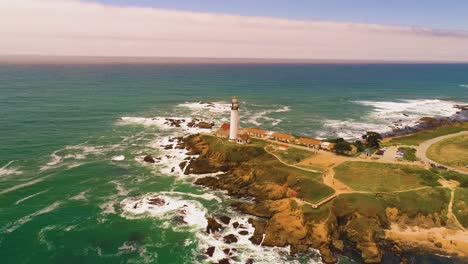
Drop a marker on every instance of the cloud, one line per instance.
(71, 27)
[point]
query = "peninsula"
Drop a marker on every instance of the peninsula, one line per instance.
(370, 199)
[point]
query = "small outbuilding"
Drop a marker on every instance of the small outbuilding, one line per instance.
(327, 146)
(223, 131)
(243, 139)
(283, 147)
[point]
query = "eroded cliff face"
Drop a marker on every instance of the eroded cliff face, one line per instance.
(281, 220)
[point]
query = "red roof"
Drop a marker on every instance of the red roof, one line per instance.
(283, 145)
(226, 126)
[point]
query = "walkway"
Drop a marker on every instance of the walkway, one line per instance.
(421, 150)
(452, 186)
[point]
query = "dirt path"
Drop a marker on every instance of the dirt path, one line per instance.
(289, 165)
(452, 185)
(421, 150)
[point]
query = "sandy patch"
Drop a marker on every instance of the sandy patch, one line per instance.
(442, 240)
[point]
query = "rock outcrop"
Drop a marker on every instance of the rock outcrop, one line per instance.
(280, 220)
(149, 159)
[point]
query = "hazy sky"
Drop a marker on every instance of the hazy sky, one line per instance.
(440, 14)
(263, 30)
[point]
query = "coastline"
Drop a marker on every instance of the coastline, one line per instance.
(429, 123)
(278, 221)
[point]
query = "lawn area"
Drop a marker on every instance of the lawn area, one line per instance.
(410, 154)
(267, 168)
(452, 152)
(425, 201)
(383, 177)
(292, 155)
(418, 137)
(460, 206)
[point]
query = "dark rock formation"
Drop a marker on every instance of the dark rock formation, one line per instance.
(243, 232)
(228, 239)
(205, 125)
(149, 159)
(210, 251)
(157, 201)
(224, 261)
(224, 219)
(213, 226)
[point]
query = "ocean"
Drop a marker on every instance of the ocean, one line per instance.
(72, 140)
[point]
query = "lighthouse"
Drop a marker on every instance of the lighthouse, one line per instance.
(234, 126)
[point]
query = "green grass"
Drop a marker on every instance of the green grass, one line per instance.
(293, 155)
(452, 152)
(418, 137)
(269, 169)
(412, 203)
(452, 175)
(316, 214)
(410, 154)
(312, 167)
(383, 177)
(460, 206)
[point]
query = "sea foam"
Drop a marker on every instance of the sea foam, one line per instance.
(18, 223)
(8, 170)
(169, 206)
(386, 116)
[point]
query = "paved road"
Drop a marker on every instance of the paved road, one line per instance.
(421, 150)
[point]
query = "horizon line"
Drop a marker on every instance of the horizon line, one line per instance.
(156, 60)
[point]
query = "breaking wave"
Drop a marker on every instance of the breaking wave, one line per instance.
(192, 213)
(257, 115)
(386, 116)
(78, 152)
(8, 170)
(30, 196)
(18, 223)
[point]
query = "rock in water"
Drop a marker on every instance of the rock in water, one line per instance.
(157, 201)
(205, 125)
(230, 239)
(210, 251)
(243, 232)
(224, 261)
(213, 226)
(149, 159)
(225, 219)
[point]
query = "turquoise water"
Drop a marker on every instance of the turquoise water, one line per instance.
(60, 191)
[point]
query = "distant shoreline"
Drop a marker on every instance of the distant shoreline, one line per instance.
(106, 60)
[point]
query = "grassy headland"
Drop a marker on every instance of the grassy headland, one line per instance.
(265, 168)
(384, 177)
(452, 152)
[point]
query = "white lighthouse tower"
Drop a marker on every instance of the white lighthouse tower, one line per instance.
(234, 126)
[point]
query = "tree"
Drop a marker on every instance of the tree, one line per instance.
(342, 147)
(360, 147)
(372, 139)
(334, 140)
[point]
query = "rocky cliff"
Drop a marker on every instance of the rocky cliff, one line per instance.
(338, 226)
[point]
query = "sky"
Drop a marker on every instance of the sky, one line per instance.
(301, 29)
(439, 14)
